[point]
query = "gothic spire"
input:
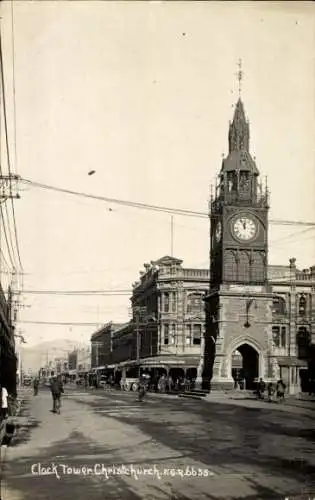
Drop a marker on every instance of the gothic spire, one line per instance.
(239, 130)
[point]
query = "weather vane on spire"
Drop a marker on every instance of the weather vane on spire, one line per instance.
(240, 77)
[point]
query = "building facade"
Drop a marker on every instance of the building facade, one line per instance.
(253, 321)
(8, 359)
(166, 332)
(102, 345)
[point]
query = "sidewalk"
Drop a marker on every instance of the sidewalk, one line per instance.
(14, 419)
(291, 404)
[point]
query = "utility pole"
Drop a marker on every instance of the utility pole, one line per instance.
(138, 341)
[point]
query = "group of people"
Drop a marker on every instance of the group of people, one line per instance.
(277, 390)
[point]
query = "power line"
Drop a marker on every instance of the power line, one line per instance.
(79, 292)
(59, 323)
(105, 293)
(145, 206)
(292, 235)
(6, 239)
(8, 155)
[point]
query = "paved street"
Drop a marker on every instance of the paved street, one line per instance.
(171, 448)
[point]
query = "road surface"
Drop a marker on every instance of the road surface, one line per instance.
(109, 446)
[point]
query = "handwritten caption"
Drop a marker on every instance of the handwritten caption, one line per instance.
(59, 470)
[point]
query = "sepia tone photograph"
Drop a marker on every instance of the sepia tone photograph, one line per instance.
(157, 250)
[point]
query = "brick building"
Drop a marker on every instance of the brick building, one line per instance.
(254, 320)
(102, 345)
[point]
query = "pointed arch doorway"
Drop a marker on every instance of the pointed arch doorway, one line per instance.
(245, 365)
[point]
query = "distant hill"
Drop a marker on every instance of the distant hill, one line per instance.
(36, 356)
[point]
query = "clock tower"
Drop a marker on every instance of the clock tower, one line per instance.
(238, 306)
(239, 214)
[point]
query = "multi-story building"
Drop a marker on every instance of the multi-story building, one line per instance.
(73, 360)
(254, 319)
(8, 359)
(167, 328)
(242, 319)
(83, 360)
(102, 345)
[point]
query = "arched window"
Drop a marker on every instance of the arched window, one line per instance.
(258, 266)
(243, 267)
(279, 305)
(231, 265)
(194, 303)
(302, 305)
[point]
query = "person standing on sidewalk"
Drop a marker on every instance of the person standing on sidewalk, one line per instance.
(4, 403)
(56, 391)
(280, 390)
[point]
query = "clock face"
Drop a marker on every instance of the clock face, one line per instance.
(244, 228)
(218, 231)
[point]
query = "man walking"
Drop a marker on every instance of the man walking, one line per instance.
(35, 386)
(56, 391)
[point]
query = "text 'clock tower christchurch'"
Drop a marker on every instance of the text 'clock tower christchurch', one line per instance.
(238, 304)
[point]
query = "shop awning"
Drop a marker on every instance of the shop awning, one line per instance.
(291, 361)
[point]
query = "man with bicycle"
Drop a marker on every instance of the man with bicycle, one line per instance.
(56, 388)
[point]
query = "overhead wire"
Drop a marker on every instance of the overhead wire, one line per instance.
(61, 323)
(292, 235)
(146, 206)
(3, 94)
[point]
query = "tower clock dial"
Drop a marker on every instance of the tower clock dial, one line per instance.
(218, 231)
(244, 228)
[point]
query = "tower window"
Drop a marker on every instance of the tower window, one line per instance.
(279, 334)
(278, 306)
(243, 267)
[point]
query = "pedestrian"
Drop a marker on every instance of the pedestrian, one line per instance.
(270, 390)
(4, 405)
(280, 390)
(56, 391)
(261, 389)
(35, 386)
(142, 387)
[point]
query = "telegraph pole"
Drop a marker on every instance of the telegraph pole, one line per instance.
(138, 342)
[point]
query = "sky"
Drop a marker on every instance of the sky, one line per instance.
(142, 93)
